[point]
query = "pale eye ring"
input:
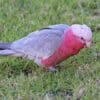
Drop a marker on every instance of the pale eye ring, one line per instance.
(82, 38)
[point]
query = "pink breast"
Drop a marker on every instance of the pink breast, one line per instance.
(70, 46)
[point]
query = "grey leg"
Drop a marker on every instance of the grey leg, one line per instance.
(52, 69)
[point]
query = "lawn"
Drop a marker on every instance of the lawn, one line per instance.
(78, 79)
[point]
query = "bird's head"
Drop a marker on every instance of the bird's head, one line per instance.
(83, 33)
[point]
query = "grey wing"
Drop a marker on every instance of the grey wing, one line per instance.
(59, 27)
(41, 43)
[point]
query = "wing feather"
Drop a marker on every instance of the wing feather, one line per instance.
(41, 43)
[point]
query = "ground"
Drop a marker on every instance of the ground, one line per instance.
(79, 78)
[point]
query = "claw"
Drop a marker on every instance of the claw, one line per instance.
(52, 69)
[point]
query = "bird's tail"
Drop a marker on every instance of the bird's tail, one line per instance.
(4, 46)
(5, 49)
(7, 52)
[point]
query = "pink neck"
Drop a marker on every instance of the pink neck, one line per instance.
(69, 46)
(71, 40)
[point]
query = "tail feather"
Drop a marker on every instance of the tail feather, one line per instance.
(4, 46)
(6, 52)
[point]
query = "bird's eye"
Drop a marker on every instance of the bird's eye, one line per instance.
(82, 38)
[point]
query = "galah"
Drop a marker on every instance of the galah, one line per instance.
(51, 45)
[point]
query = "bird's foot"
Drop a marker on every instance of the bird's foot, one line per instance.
(51, 69)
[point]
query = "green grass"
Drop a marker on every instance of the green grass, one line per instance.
(23, 80)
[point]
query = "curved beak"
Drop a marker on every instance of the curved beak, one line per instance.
(88, 44)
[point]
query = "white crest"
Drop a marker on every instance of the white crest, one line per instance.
(83, 32)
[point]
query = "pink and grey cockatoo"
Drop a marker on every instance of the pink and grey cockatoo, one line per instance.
(51, 45)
